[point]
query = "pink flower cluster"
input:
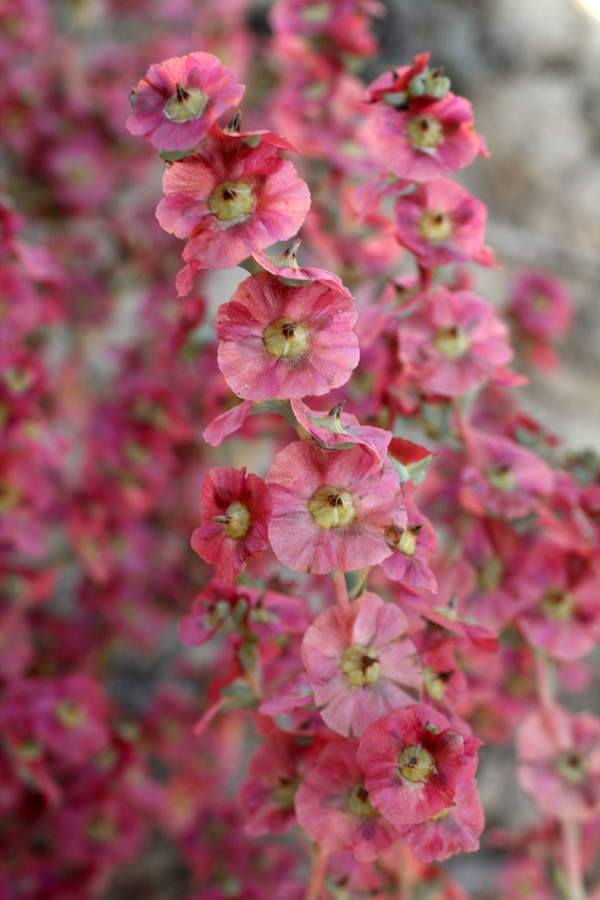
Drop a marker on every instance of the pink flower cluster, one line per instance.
(361, 611)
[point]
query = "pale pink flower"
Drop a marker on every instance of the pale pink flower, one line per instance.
(331, 508)
(178, 100)
(361, 663)
(231, 197)
(559, 763)
(413, 761)
(333, 807)
(440, 222)
(452, 343)
(278, 341)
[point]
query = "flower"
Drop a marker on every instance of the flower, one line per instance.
(361, 663)
(441, 223)
(234, 512)
(412, 546)
(178, 100)
(427, 139)
(452, 343)
(278, 341)
(231, 197)
(413, 761)
(559, 763)
(331, 508)
(333, 807)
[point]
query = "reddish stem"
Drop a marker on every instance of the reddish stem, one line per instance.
(340, 590)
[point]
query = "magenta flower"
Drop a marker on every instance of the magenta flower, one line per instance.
(231, 198)
(234, 511)
(361, 663)
(278, 341)
(441, 223)
(178, 100)
(413, 761)
(453, 830)
(333, 807)
(452, 343)
(559, 763)
(331, 508)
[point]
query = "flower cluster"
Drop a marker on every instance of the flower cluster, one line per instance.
(370, 664)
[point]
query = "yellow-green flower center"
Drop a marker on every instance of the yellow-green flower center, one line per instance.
(558, 604)
(285, 792)
(439, 816)
(331, 507)
(70, 713)
(236, 521)
(425, 131)
(285, 338)
(501, 477)
(451, 342)
(185, 104)
(416, 764)
(572, 766)
(358, 803)
(434, 682)
(435, 225)
(232, 201)
(360, 665)
(317, 13)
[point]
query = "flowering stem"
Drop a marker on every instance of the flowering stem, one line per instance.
(544, 682)
(340, 590)
(317, 874)
(572, 857)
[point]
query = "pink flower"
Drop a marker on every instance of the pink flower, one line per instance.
(452, 343)
(441, 223)
(275, 772)
(412, 547)
(178, 100)
(333, 807)
(559, 763)
(234, 511)
(278, 341)
(502, 477)
(331, 508)
(425, 139)
(452, 830)
(231, 197)
(413, 761)
(561, 611)
(361, 663)
(541, 305)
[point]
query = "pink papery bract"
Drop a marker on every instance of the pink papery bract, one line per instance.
(452, 343)
(231, 199)
(333, 807)
(361, 663)
(441, 223)
(242, 504)
(278, 341)
(413, 761)
(347, 487)
(178, 100)
(559, 763)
